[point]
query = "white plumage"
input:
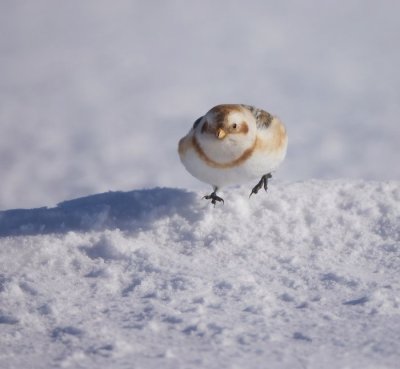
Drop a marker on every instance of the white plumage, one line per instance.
(233, 144)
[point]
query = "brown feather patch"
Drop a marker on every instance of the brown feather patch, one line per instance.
(277, 140)
(214, 164)
(184, 144)
(220, 112)
(263, 118)
(244, 128)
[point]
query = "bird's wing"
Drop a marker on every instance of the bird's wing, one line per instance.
(196, 122)
(263, 118)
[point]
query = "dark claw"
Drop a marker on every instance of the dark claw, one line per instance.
(267, 177)
(214, 198)
(263, 183)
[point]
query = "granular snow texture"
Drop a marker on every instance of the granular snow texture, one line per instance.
(305, 276)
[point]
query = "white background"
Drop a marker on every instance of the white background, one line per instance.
(94, 95)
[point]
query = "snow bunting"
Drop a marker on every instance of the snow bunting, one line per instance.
(232, 144)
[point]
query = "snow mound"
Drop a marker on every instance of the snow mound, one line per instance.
(123, 210)
(303, 276)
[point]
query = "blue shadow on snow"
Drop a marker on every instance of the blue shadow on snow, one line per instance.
(131, 210)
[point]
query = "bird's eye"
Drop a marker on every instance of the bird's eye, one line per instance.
(234, 125)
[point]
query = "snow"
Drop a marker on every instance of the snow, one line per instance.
(305, 276)
(138, 271)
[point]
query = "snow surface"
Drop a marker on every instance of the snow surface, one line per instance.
(94, 94)
(305, 276)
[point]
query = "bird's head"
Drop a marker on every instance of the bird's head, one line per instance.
(226, 131)
(226, 123)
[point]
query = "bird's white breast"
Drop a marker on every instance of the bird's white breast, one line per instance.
(238, 157)
(260, 162)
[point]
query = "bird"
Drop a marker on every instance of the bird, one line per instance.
(233, 144)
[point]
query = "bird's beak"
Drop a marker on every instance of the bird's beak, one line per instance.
(220, 133)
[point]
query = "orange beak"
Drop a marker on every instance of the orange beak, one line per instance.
(220, 133)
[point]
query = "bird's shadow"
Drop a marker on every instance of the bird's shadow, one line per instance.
(132, 211)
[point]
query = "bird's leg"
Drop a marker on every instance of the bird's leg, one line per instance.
(263, 183)
(213, 197)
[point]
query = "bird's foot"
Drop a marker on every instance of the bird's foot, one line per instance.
(263, 183)
(214, 198)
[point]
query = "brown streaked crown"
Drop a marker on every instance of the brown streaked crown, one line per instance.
(220, 112)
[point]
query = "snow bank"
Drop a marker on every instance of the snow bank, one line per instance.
(304, 276)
